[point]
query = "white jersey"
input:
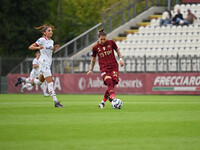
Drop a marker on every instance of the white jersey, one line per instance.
(46, 53)
(35, 71)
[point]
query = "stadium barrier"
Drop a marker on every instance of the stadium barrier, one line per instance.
(130, 83)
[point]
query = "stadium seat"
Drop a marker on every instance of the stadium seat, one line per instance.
(182, 7)
(154, 22)
(176, 7)
(165, 41)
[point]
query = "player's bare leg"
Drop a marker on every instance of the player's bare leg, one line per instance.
(52, 92)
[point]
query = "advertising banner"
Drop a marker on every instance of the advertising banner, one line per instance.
(173, 83)
(129, 83)
(191, 1)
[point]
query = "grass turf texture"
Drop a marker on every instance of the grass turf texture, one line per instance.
(30, 122)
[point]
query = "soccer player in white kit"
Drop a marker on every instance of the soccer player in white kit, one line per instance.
(47, 48)
(35, 74)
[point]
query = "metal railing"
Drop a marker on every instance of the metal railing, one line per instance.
(113, 17)
(78, 43)
(131, 64)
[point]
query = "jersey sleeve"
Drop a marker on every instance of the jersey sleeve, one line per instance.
(114, 45)
(35, 62)
(39, 42)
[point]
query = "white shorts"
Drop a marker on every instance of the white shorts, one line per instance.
(44, 70)
(34, 74)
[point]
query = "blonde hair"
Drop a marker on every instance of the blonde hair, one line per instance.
(44, 27)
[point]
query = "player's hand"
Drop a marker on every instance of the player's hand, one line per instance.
(40, 47)
(121, 63)
(89, 72)
(56, 47)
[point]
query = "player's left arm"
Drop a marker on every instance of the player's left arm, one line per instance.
(35, 66)
(92, 63)
(120, 57)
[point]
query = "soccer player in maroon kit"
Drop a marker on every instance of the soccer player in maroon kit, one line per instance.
(108, 64)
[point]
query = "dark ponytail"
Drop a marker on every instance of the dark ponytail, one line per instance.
(101, 33)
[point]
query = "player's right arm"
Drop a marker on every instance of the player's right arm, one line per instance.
(37, 45)
(34, 46)
(92, 63)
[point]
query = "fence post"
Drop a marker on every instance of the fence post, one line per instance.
(87, 39)
(21, 68)
(166, 1)
(72, 65)
(169, 4)
(146, 4)
(61, 66)
(167, 63)
(145, 64)
(129, 8)
(75, 47)
(157, 2)
(122, 18)
(152, 3)
(134, 10)
(156, 65)
(110, 24)
(66, 51)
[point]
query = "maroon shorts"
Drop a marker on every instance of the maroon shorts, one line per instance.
(113, 72)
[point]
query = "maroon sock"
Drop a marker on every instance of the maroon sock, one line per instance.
(109, 83)
(105, 96)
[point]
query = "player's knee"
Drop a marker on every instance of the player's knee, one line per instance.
(109, 82)
(107, 77)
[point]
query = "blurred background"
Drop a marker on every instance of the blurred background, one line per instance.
(146, 46)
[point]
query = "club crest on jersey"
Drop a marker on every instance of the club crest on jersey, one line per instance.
(115, 73)
(99, 49)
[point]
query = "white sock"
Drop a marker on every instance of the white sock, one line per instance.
(33, 80)
(27, 85)
(102, 101)
(44, 87)
(52, 92)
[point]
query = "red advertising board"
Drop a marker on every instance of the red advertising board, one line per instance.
(191, 1)
(130, 83)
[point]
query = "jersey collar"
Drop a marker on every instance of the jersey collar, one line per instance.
(45, 37)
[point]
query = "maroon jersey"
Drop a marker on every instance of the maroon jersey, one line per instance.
(105, 54)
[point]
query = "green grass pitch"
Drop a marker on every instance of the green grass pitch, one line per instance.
(146, 122)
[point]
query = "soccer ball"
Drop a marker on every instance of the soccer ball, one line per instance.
(116, 104)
